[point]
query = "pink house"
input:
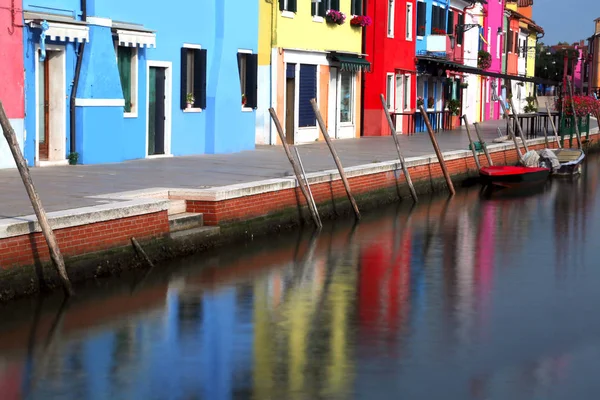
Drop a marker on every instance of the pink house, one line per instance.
(578, 78)
(493, 31)
(13, 76)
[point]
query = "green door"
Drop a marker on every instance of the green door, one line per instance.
(152, 113)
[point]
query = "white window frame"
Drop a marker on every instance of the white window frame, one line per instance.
(192, 46)
(406, 94)
(391, 20)
(498, 42)
(168, 105)
(390, 91)
(285, 13)
(409, 21)
(246, 51)
(489, 39)
(134, 80)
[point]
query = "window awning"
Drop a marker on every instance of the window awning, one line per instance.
(350, 62)
(60, 28)
(133, 35)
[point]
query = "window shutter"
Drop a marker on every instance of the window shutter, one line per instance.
(183, 86)
(281, 5)
(252, 80)
(335, 5)
(357, 7)
(434, 18)
(460, 33)
(421, 18)
(292, 6)
(200, 78)
(442, 16)
(124, 55)
(450, 28)
(307, 91)
(322, 8)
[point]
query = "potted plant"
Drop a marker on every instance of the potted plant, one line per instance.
(244, 100)
(335, 17)
(530, 107)
(73, 158)
(430, 102)
(464, 85)
(438, 31)
(420, 101)
(361, 21)
(190, 100)
(484, 59)
(454, 108)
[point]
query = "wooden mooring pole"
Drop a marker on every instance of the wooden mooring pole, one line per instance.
(483, 144)
(413, 192)
(437, 151)
(553, 126)
(286, 148)
(511, 131)
(47, 231)
(519, 128)
(471, 144)
(312, 198)
(338, 163)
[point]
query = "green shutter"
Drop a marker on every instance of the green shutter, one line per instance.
(124, 55)
(292, 6)
(252, 80)
(200, 78)
(183, 79)
(335, 5)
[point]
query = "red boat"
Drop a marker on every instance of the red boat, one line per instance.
(511, 177)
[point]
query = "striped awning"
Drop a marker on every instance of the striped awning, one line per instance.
(133, 35)
(58, 28)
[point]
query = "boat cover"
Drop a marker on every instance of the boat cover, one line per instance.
(531, 159)
(550, 157)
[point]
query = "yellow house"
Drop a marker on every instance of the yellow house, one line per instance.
(309, 49)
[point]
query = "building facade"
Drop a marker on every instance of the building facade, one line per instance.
(390, 48)
(11, 88)
(316, 53)
(146, 84)
(593, 81)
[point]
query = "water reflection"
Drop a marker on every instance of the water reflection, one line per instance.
(466, 298)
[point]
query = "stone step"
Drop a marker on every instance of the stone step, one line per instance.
(196, 233)
(185, 220)
(177, 207)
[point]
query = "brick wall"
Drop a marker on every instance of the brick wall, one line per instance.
(78, 240)
(262, 204)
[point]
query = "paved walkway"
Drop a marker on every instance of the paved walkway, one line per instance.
(66, 187)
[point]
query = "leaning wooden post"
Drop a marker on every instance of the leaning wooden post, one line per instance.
(55, 254)
(511, 132)
(471, 144)
(286, 148)
(546, 138)
(312, 198)
(519, 128)
(437, 150)
(321, 122)
(483, 144)
(413, 193)
(553, 126)
(577, 133)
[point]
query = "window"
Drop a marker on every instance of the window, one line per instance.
(498, 40)
(288, 5)
(248, 70)
(409, 21)
(450, 27)
(193, 77)
(406, 92)
(438, 19)
(127, 65)
(489, 39)
(319, 9)
(389, 88)
(421, 18)
(307, 91)
(356, 7)
(390, 20)
(460, 32)
(346, 96)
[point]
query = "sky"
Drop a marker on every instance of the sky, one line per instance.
(566, 20)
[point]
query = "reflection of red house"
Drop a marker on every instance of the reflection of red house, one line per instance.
(392, 58)
(10, 382)
(384, 284)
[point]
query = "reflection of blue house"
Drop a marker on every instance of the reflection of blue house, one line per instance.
(155, 79)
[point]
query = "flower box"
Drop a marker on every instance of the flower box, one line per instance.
(335, 17)
(361, 21)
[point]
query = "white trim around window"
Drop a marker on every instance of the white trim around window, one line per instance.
(391, 18)
(168, 65)
(409, 21)
(390, 88)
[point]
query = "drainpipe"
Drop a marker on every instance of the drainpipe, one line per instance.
(72, 121)
(362, 81)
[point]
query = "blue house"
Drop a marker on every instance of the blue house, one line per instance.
(117, 80)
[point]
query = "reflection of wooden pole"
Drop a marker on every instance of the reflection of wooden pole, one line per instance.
(437, 151)
(338, 163)
(577, 133)
(483, 144)
(471, 144)
(519, 128)
(55, 254)
(553, 126)
(286, 148)
(404, 169)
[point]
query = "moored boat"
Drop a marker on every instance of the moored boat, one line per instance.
(513, 176)
(570, 161)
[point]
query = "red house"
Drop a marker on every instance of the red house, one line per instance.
(389, 45)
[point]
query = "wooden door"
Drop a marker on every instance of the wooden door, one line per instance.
(156, 111)
(290, 105)
(44, 109)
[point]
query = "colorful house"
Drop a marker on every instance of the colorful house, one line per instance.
(110, 80)
(316, 52)
(593, 62)
(494, 20)
(11, 88)
(390, 48)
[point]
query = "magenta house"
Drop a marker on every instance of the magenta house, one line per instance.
(493, 43)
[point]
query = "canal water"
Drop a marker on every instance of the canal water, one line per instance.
(470, 298)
